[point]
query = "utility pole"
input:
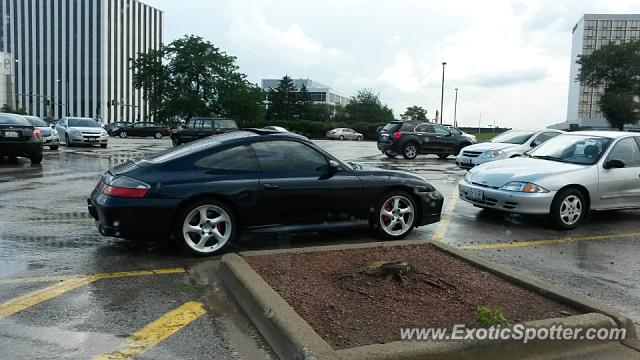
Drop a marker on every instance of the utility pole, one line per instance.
(455, 110)
(442, 92)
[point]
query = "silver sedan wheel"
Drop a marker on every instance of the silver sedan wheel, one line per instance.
(570, 210)
(397, 215)
(207, 228)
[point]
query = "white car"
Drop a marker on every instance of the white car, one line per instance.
(512, 143)
(565, 178)
(77, 130)
(344, 134)
(456, 131)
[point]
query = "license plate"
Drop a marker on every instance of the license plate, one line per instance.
(11, 134)
(475, 194)
(92, 140)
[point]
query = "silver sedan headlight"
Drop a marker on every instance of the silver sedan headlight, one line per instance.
(527, 187)
(492, 154)
(468, 177)
(104, 133)
(75, 132)
(54, 132)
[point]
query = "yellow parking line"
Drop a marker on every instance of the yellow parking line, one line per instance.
(157, 331)
(35, 279)
(552, 241)
(443, 226)
(23, 302)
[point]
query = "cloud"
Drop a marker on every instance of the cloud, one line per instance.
(401, 74)
(490, 80)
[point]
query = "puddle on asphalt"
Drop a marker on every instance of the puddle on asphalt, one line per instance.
(242, 336)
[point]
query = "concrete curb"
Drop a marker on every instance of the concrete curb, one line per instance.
(293, 338)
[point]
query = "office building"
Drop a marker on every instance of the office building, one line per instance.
(72, 56)
(592, 32)
(320, 94)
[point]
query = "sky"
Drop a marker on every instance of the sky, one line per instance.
(509, 58)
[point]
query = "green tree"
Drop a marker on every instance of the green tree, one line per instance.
(616, 68)
(414, 113)
(283, 99)
(304, 102)
(191, 77)
(8, 109)
(366, 106)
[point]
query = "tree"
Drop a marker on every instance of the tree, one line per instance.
(616, 68)
(366, 106)
(304, 102)
(283, 99)
(191, 77)
(8, 109)
(414, 113)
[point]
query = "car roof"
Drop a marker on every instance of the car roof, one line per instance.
(603, 133)
(217, 140)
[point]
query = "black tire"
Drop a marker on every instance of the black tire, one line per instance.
(341, 137)
(54, 147)
(562, 214)
(104, 146)
(35, 159)
(158, 135)
(67, 141)
(123, 134)
(410, 151)
(187, 210)
(359, 138)
(175, 142)
(443, 156)
(376, 222)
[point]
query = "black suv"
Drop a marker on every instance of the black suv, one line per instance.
(198, 128)
(412, 138)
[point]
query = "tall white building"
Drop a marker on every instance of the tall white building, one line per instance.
(320, 94)
(74, 55)
(591, 33)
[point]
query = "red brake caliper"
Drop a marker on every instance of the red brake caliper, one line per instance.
(385, 218)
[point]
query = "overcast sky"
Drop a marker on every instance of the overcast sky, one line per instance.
(509, 59)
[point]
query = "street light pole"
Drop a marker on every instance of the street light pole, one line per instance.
(15, 83)
(442, 92)
(455, 110)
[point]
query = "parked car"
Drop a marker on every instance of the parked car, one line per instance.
(344, 134)
(411, 138)
(142, 129)
(565, 178)
(49, 135)
(207, 192)
(276, 128)
(198, 128)
(456, 131)
(78, 130)
(512, 143)
(114, 125)
(18, 137)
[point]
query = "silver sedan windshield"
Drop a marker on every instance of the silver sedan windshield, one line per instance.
(575, 149)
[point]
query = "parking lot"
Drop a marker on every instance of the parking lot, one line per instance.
(66, 291)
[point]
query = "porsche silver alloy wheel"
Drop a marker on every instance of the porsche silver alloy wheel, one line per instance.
(570, 210)
(207, 228)
(397, 215)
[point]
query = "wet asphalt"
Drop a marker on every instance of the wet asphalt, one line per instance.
(45, 231)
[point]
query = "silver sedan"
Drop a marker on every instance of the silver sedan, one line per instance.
(564, 178)
(344, 133)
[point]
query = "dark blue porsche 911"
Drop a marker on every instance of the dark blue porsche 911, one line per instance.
(207, 192)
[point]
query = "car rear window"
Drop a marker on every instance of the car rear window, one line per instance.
(196, 146)
(11, 119)
(226, 124)
(391, 127)
(36, 121)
